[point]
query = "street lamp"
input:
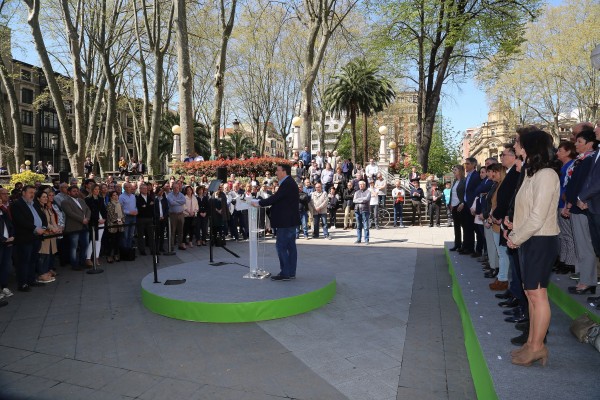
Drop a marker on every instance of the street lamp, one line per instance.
(54, 141)
(383, 131)
(27, 165)
(296, 123)
(176, 129)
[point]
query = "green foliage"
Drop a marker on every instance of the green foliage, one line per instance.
(237, 145)
(26, 178)
(344, 148)
(359, 88)
(165, 140)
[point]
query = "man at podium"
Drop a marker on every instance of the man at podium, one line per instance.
(286, 218)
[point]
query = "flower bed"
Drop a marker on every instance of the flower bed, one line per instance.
(241, 168)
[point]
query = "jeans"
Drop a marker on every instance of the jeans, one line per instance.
(323, 219)
(304, 223)
(503, 262)
(127, 238)
(375, 212)
(80, 238)
(398, 208)
(286, 251)
(362, 222)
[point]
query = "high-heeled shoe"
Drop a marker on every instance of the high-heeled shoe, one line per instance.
(521, 349)
(527, 357)
(589, 289)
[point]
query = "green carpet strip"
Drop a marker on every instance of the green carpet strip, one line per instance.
(482, 380)
(568, 304)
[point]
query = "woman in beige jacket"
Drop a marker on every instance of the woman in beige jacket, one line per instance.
(535, 234)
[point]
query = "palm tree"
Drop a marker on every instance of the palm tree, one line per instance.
(359, 88)
(237, 145)
(165, 140)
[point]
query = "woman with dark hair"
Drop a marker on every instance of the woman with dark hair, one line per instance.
(48, 247)
(457, 194)
(202, 218)
(190, 210)
(566, 154)
(114, 230)
(585, 264)
(535, 234)
(98, 216)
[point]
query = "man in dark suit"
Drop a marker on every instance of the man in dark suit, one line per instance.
(285, 217)
(145, 229)
(413, 174)
(161, 216)
(457, 195)
(77, 218)
(472, 180)
(30, 224)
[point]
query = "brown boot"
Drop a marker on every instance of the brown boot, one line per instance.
(499, 285)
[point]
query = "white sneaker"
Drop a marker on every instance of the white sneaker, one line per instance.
(6, 292)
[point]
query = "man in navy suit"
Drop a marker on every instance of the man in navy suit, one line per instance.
(286, 218)
(472, 180)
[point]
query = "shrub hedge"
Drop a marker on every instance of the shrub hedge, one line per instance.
(241, 168)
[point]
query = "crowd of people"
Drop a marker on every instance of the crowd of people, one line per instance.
(535, 212)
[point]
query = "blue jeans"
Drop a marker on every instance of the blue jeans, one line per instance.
(127, 238)
(398, 208)
(304, 223)
(323, 219)
(504, 263)
(286, 251)
(362, 222)
(80, 238)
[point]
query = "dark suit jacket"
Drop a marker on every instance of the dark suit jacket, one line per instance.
(165, 207)
(505, 193)
(576, 182)
(5, 221)
(470, 187)
(74, 215)
(284, 205)
(145, 207)
(460, 191)
(23, 221)
(590, 192)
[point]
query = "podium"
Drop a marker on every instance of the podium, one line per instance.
(255, 271)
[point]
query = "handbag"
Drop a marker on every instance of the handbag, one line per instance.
(581, 326)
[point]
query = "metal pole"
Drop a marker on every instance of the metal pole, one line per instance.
(95, 269)
(169, 233)
(155, 253)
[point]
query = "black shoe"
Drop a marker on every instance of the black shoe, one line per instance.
(521, 339)
(522, 326)
(517, 318)
(593, 299)
(3, 303)
(505, 296)
(512, 311)
(509, 303)
(491, 274)
(24, 288)
(36, 284)
(476, 255)
(280, 278)
(455, 248)
(590, 289)
(465, 252)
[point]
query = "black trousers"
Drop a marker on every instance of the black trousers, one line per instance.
(457, 224)
(434, 212)
(468, 225)
(145, 234)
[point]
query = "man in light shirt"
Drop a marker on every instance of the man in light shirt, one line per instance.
(128, 204)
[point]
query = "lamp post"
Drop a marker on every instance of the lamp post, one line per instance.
(176, 129)
(296, 142)
(27, 165)
(54, 141)
(392, 146)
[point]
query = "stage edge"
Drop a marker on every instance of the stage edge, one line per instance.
(239, 312)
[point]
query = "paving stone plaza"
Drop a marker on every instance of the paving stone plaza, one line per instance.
(391, 332)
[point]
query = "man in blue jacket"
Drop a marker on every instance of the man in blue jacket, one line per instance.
(285, 216)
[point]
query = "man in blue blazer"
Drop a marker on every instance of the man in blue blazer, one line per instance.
(589, 198)
(472, 180)
(286, 218)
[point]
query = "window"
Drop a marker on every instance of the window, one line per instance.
(335, 126)
(26, 96)
(47, 140)
(27, 117)
(28, 140)
(130, 122)
(50, 120)
(129, 138)
(326, 127)
(25, 75)
(493, 132)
